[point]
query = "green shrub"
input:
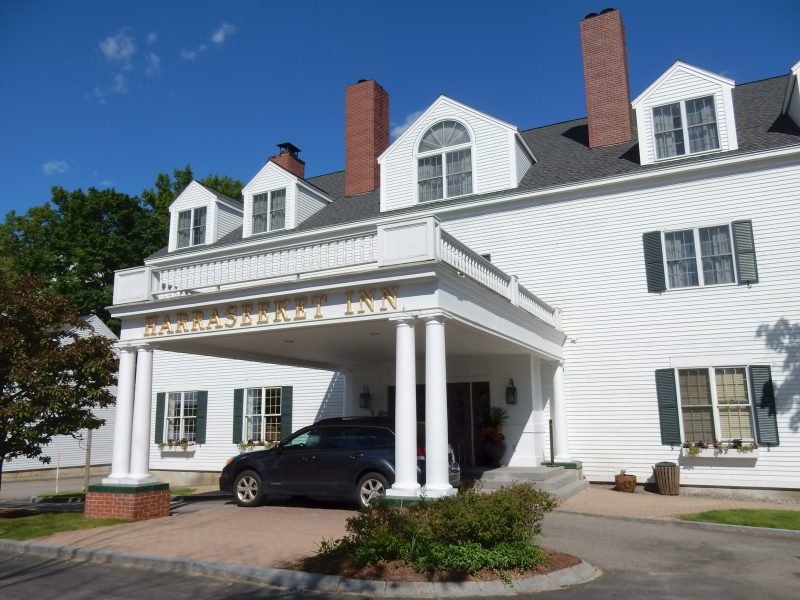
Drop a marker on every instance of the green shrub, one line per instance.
(466, 533)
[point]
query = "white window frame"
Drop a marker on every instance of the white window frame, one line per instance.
(443, 152)
(192, 237)
(270, 196)
(684, 128)
(264, 416)
(714, 400)
(698, 256)
(181, 416)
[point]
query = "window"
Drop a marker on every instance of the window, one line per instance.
(263, 414)
(444, 165)
(192, 227)
(181, 417)
(269, 211)
(704, 256)
(717, 404)
(715, 264)
(695, 120)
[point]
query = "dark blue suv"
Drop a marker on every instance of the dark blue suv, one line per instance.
(349, 458)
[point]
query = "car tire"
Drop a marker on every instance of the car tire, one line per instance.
(248, 489)
(371, 487)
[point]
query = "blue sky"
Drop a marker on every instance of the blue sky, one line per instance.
(109, 94)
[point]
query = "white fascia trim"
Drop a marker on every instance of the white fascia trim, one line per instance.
(246, 188)
(455, 104)
(347, 229)
(527, 148)
(197, 184)
(313, 190)
(794, 74)
(678, 65)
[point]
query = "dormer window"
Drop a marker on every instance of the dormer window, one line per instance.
(192, 227)
(695, 120)
(269, 211)
(444, 162)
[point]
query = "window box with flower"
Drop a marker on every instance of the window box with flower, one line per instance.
(182, 446)
(714, 449)
(250, 445)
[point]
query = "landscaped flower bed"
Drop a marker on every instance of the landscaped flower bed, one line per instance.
(470, 534)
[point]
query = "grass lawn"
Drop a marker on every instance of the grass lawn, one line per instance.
(182, 491)
(25, 524)
(63, 495)
(775, 519)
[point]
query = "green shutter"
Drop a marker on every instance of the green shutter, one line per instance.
(238, 415)
(286, 411)
(160, 402)
(764, 407)
(668, 414)
(654, 262)
(202, 412)
(745, 250)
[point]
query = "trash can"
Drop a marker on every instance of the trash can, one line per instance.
(668, 478)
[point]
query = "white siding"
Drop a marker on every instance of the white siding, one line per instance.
(492, 156)
(308, 203)
(683, 85)
(228, 220)
(524, 161)
(270, 178)
(584, 255)
(66, 451)
(316, 395)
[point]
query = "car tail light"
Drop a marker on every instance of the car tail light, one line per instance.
(420, 452)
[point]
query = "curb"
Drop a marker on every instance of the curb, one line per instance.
(760, 531)
(303, 581)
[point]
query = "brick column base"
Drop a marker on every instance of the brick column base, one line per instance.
(137, 502)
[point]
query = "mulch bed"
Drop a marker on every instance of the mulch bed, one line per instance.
(399, 571)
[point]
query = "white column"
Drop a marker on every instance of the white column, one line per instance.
(540, 425)
(437, 481)
(140, 440)
(561, 442)
(405, 428)
(123, 415)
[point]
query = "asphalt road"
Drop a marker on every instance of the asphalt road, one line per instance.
(639, 560)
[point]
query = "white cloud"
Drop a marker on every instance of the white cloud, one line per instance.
(120, 85)
(152, 37)
(225, 30)
(119, 48)
(398, 130)
(188, 54)
(153, 63)
(106, 183)
(55, 167)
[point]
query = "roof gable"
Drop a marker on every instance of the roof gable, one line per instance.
(269, 171)
(194, 189)
(679, 67)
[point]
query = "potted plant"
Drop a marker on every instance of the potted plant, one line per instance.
(625, 482)
(492, 437)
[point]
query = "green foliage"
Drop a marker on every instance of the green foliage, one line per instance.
(27, 524)
(50, 376)
(465, 533)
(775, 519)
(75, 242)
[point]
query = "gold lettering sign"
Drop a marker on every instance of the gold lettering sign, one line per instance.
(284, 310)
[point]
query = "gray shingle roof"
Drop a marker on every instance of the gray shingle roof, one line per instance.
(564, 157)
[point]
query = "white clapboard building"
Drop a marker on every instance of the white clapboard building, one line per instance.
(632, 276)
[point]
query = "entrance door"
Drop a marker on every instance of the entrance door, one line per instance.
(467, 411)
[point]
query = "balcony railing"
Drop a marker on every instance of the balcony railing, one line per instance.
(397, 243)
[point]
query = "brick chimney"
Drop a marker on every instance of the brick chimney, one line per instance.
(366, 132)
(288, 159)
(605, 71)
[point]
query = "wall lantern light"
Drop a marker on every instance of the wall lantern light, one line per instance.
(364, 398)
(511, 393)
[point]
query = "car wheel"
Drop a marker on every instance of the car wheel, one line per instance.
(247, 489)
(370, 488)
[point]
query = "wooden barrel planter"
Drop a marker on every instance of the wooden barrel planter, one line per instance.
(625, 483)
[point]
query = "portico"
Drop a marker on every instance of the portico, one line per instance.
(425, 302)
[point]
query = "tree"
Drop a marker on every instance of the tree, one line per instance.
(51, 377)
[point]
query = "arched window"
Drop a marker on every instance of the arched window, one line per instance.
(444, 163)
